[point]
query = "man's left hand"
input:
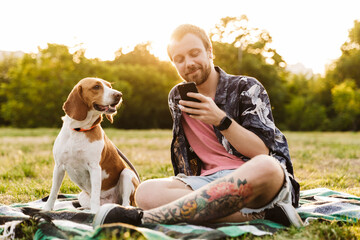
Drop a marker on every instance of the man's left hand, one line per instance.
(206, 110)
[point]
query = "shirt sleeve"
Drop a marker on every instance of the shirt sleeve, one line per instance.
(171, 102)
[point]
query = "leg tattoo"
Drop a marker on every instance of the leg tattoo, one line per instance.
(218, 199)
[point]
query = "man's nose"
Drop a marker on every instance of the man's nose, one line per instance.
(189, 62)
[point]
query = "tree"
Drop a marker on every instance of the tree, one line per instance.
(241, 50)
(38, 85)
(8, 62)
(139, 55)
(346, 98)
(304, 110)
(347, 66)
(343, 83)
(150, 80)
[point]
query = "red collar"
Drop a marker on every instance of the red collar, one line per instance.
(97, 122)
(84, 130)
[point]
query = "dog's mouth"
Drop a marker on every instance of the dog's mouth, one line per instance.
(106, 108)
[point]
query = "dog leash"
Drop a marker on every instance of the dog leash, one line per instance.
(128, 162)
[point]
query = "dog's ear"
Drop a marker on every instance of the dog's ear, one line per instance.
(110, 117)
(75, 107)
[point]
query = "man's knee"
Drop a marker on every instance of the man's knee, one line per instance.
(145, 192)
(269, 180)
(263, 171)
(268, 166)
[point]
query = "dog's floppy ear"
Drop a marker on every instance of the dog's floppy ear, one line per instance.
(110, 117)
(75, 107)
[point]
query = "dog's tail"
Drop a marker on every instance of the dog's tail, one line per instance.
(128, 163)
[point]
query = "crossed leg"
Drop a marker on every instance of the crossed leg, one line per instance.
(253, 185)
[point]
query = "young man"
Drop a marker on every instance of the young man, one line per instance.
(232, 163)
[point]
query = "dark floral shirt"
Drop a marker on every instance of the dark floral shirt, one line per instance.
(245, 100)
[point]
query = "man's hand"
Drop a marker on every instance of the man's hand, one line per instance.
(243, 140)
(206, 110)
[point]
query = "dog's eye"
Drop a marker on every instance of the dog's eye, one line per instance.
(96, 87)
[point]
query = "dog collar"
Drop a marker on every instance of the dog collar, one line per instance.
(97, 122)
(84, 129)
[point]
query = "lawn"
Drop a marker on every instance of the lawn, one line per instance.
(330, 160)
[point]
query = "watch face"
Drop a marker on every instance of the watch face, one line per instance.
(224, 124)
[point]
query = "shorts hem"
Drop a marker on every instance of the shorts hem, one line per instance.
(181, 177)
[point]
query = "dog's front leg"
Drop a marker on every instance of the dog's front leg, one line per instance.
(126, 186)
(95, 175)
(58, 176)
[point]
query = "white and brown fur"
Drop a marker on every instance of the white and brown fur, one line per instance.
(84, 151)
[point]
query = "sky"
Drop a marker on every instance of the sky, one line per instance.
(309, 32)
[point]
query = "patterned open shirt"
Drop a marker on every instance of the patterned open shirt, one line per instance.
(246, 101)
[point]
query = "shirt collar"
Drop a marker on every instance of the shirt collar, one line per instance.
(222, 87)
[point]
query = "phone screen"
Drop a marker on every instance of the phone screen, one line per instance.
(185, 88)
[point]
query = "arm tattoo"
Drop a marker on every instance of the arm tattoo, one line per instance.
(216, 200)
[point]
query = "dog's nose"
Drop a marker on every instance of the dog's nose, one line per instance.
(117, 96)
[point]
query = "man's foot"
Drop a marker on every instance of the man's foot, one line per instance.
(114, 213)
(285, 214)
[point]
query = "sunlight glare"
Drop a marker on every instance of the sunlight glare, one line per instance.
(307, 31)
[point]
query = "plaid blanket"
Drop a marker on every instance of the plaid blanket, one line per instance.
(68, 221)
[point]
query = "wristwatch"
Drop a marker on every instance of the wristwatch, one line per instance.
(224, 124)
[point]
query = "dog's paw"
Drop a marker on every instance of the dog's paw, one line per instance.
(47, 207)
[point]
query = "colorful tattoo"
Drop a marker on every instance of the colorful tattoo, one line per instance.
(218, 199)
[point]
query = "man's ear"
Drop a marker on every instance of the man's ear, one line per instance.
(75, 107)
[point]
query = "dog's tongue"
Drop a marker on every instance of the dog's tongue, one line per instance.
(103, 108)
(106, 108)
(111, 108)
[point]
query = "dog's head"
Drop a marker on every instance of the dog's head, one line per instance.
(92, 94)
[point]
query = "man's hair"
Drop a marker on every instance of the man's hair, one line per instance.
(184, 29)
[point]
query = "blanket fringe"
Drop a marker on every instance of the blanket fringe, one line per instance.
(9, 230)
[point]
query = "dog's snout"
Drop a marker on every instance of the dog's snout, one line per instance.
(117, 96)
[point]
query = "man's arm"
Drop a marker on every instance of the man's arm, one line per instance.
(243, 140)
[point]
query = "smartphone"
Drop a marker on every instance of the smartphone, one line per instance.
(185, 88)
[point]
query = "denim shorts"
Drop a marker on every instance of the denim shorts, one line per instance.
(196, 182)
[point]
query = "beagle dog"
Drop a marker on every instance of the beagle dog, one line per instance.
(84, 151)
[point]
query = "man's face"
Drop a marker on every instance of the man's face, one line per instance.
(192, 61)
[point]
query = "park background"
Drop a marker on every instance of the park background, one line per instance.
(60, 43)
(35, 85)
(318, 109)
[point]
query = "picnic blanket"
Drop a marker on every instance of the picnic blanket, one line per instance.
(69, 221)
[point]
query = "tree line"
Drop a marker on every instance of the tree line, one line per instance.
(34, 87)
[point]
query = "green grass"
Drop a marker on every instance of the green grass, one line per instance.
(330, 160)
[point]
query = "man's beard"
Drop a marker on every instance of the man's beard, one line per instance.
(201, 76)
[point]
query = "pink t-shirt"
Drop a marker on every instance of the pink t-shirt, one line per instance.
(204, 142)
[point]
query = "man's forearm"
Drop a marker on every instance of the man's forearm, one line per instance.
(244, 141)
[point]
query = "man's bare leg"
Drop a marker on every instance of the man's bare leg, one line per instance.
(158, 192)
(169, 189)
(252, 185)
